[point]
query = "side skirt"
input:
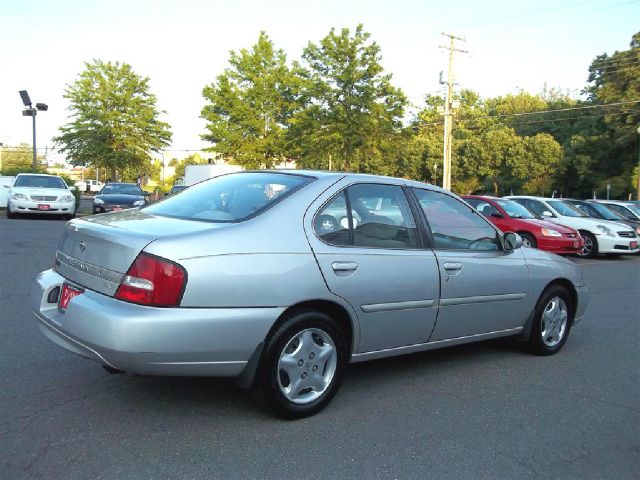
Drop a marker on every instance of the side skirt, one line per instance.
(422, 347)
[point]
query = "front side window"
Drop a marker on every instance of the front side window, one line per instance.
(454, 225)
(368, 215)
(230, 198)
(537, 208)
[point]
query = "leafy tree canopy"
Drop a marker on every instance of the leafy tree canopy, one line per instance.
(114, 123)
(351, 112)
(250, 104)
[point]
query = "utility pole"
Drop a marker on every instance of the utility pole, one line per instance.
(449, 107)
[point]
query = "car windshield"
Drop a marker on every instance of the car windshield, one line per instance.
(634, 208)
(622, 210)
(565, 209)
(604, 212)
(121, 189)
(39, 181)
(230, 198)
(515, 210)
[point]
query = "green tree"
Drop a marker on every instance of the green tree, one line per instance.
(19, 159)
(352, 112)
(616, 79)
(115, 122)
(249, 106)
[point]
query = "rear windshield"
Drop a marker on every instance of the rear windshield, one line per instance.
(39, 181)
(121, 189)
(230, 198)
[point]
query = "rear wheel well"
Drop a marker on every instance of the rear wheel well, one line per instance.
(334, 310)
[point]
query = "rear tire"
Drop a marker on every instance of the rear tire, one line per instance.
(528, 240)
(552, 319)
(590, 248)
(302, 364)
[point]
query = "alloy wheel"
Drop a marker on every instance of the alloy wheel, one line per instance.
(307, 366)
(554, 322)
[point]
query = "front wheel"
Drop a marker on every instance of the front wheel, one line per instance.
(10, 214)
(303, 364)
(551, 322)
(590, 248)
(528, 240)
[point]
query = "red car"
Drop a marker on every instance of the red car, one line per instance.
(510, 216)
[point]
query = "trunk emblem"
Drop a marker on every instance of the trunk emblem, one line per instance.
(82, 246)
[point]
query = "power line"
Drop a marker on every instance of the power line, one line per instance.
(552, 120)
(568, 109)
(462, 119)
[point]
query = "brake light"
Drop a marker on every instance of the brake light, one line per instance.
(153, 281)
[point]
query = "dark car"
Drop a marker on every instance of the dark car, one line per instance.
(118, 196)
(599, 210)
(510, 216)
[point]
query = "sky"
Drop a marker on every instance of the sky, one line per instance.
(183, 45)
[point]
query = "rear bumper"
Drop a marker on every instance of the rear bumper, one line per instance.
(148, 340)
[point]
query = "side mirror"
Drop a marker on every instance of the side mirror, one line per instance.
(72, 189)
(6, 186)
(547, 214)
(146, 194)
(511, 241)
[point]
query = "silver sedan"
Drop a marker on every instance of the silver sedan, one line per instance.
(282, 278)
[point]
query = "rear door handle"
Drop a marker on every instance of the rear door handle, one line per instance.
(452, 266)
(344, 266)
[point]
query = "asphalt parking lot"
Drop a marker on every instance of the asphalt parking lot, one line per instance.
(486, 410)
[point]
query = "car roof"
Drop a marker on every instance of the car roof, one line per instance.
(363, 177)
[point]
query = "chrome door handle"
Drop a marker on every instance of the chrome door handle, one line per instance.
(344, 266)
(452, 266)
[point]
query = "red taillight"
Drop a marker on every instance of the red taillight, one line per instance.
(152, 281)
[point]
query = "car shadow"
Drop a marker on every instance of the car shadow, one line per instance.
(193, 394)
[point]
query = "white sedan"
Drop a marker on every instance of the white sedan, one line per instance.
(40, 193)
(600, 236)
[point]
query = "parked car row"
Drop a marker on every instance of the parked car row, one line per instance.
(565, 226)
(30, 193)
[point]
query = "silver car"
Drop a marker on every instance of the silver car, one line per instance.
(282, 278)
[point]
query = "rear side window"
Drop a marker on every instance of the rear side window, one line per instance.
(368, 215)
(230, 198)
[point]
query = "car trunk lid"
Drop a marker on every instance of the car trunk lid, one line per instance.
(97, 251)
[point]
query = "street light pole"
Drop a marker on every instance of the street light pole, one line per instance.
(30, 111)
